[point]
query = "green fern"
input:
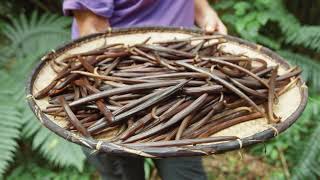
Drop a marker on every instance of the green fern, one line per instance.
(268, 22)
(52, 147)
(294, 32)
(307, 36)
(55, 149)
(250, 20)
(29, 167)
(10, 122)
(308, 167)
(287, 22)
(37, 35)
(17, 120)
(293, 139)
(310, 67)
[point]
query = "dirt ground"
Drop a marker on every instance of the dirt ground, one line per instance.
(236, 165)
(233, 166)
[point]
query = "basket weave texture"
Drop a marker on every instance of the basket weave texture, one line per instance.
(290, 106)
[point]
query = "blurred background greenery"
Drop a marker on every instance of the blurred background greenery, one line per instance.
(30, 28)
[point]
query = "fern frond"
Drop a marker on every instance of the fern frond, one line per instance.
(306, 164)
(294, 32)
(32, 168)
(308, 167)
(31, 126)
(3, 55)
(29, 38)
(57, 150)
(10, 124)
(15, 116)
(36, 34)
(287, 22)
(52, 147)
(306, 36)
(267, 41)
(311, 68)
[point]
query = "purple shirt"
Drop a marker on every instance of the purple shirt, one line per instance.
(136, 13)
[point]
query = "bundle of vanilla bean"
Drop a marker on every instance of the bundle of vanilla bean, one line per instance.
(167, 93)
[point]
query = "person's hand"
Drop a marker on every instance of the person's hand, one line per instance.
(207, 19)
(211, 22)
(90, 23)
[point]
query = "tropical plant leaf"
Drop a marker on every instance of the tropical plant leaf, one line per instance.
(269, 22)
(310, 67)
(29, 167)
(307, 36)
(148, 168)
(36, 34)
(308, 167)
(10, 123)
(52, 147)
(57, 150)
(293, 139)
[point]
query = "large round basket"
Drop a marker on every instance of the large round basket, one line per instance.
(289, 108)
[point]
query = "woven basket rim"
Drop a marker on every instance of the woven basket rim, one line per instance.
(153, 152)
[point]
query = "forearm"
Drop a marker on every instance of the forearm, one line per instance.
(201, 7)
(89, 23)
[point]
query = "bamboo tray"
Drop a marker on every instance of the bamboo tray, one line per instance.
(289, 108)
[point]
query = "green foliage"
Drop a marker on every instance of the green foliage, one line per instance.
(309, 165)
(57, 150)
(10, 122)
(37, 172)
(28, 40)
(269, 23)
(306, 36)
(248, 19)
(310, 67)
(260, 21)
(292, 140)
(11, 115)
(148, 167)
(29, 166)
(37, 34)
(12, 8)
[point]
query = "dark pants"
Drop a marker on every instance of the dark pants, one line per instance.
(127, 168)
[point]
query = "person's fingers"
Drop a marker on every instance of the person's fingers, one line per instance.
(211, 23)
(211, 26)
(221, 28)
(210, 29)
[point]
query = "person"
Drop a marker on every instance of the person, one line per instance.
(93, 16)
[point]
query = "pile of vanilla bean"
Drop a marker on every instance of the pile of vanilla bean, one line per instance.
(167, 93)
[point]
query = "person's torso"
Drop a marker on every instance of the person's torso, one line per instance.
(133, 13)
